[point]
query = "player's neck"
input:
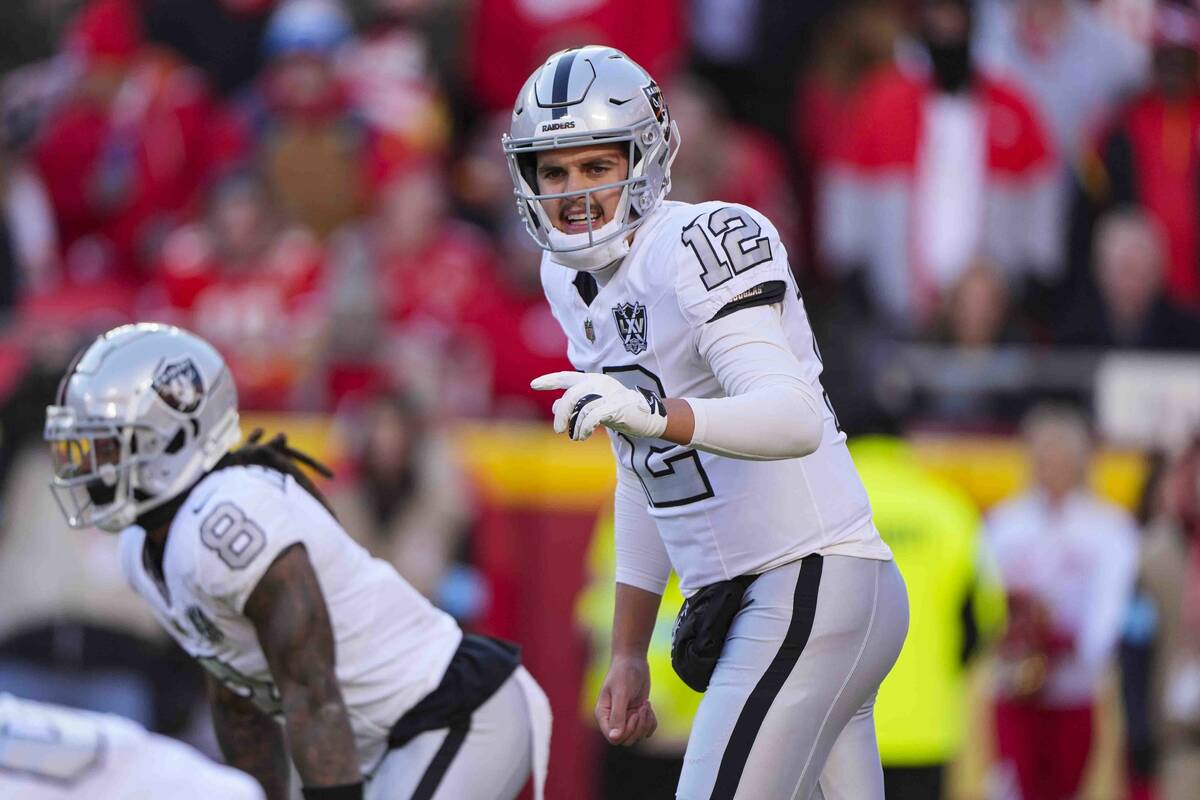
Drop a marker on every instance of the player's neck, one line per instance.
(604, 275)
(158, 534)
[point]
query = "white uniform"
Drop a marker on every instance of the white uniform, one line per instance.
(718, 517)
(55, 753)
(392, 645)
(789, 706)
(1078, 557)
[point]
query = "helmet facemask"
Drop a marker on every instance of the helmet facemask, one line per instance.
(652, 147)
(100, 468)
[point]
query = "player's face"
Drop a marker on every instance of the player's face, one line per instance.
(578, 169)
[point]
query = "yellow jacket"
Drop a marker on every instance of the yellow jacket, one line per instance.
(932, 527)
(674, 703)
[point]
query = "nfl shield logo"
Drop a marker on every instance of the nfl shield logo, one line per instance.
(589, 330)
(631, 323)
(179, 386)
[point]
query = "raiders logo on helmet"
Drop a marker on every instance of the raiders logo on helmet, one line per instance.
(178, 384)
(657, 103)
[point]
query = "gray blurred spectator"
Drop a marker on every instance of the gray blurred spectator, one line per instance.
(405, 500)
(978, 310)
(977, 371)
(1170, 577)
(1074, 64)
(1132, 310)
(943, 163)
(29, 262)
(1068, 560)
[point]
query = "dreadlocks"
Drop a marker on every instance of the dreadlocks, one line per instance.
(276, 455)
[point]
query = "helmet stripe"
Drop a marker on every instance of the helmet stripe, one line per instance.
(562, 81)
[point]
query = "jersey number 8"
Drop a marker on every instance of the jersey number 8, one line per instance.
(234, 538)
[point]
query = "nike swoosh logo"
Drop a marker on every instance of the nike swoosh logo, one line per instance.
(617, 102)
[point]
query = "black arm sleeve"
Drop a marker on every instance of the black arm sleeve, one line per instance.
(764, 294)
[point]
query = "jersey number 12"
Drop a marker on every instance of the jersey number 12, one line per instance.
(674, 481)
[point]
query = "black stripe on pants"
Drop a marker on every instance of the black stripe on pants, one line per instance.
(440, 763)
(745, 730)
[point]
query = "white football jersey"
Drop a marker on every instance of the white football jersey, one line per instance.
(55, 753)
(719, 517)
(393, 646)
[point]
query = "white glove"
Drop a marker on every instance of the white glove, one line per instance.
(594, 399)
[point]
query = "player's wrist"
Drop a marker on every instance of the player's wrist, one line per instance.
(345, 791)
(680, 421)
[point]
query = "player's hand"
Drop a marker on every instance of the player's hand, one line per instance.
(623, 709)
(593, 399)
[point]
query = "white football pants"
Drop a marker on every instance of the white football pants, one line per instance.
(788, 714)
(507, 741)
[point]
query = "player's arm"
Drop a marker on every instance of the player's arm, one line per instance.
(623, 710)
(770, 412)
(250, 740)
(773, 408)
(292, 621)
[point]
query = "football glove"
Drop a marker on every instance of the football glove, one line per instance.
(593, 399)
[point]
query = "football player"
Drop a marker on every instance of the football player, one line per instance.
(55, 753)
(695, 353)
(241, 561)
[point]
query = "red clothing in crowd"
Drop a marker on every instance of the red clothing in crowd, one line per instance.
(870, 214)
(1050, 747)
(122, 164)
(1149, 158)
(264, 317)
(448, 297)
(508, 39)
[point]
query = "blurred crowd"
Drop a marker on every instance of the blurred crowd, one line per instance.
(317, 188)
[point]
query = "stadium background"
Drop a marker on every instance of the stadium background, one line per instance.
(318, 190)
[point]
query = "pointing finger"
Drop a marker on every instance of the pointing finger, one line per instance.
(556, 380)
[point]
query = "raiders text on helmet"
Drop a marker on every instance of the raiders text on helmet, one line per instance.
(140, 416)
(587, 96)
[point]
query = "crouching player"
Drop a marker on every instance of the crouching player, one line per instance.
(380, 695)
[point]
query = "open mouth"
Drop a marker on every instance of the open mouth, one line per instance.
(576, 220)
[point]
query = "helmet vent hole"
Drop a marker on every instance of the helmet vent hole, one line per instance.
(176, 443)
(195, 428)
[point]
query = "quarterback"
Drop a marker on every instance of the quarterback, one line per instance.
(380, 694)
(55, 753)
(695, 353)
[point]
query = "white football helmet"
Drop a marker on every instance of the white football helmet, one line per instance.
(586, 96)
(141, 415)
